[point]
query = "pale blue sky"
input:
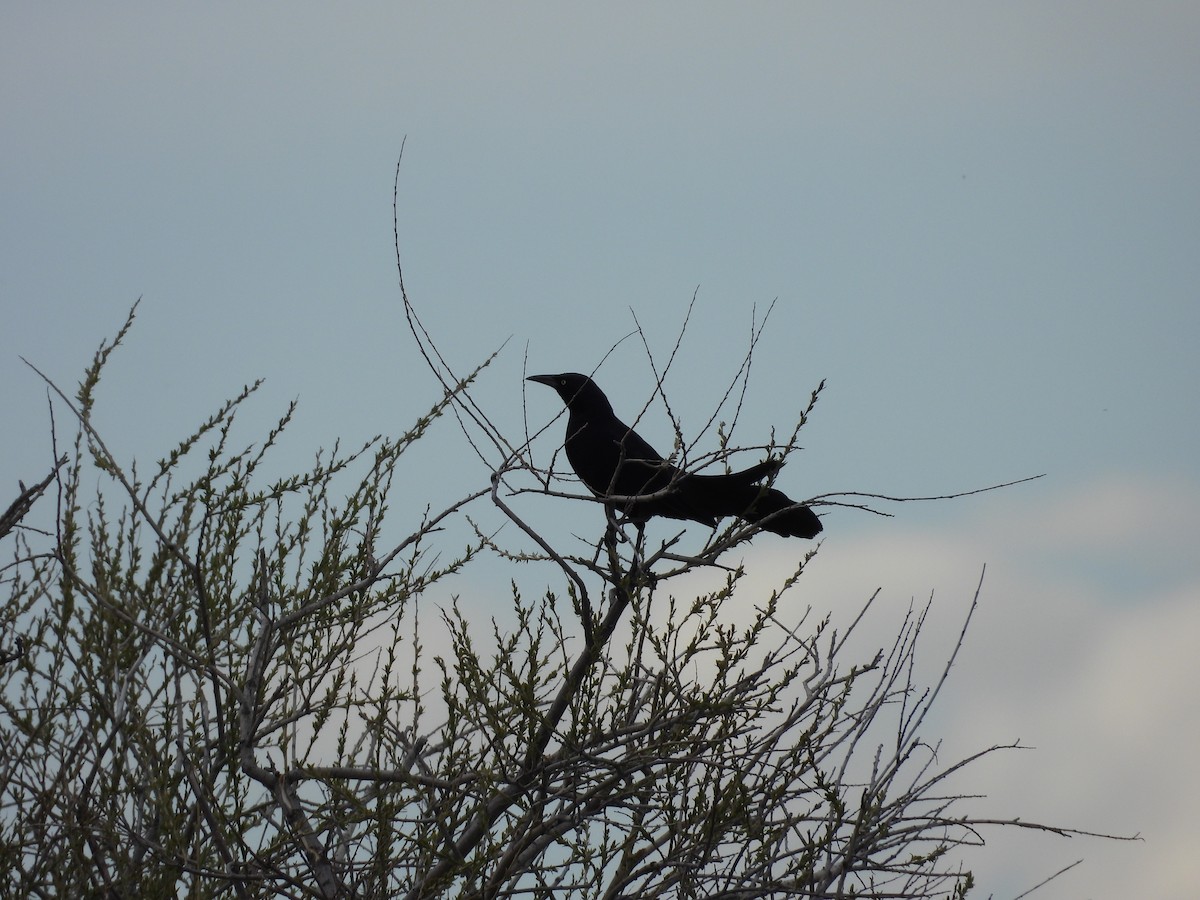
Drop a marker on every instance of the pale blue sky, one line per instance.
(979, 224)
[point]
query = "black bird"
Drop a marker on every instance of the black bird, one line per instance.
(614, 461)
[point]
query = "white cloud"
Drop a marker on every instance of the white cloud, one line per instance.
(1084, 647)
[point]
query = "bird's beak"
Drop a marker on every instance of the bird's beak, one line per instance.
(548, 380)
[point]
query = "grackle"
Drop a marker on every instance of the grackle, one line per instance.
(614, 461)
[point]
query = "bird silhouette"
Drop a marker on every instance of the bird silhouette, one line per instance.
(614, 461)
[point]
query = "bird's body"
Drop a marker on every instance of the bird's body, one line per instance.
(614, 461)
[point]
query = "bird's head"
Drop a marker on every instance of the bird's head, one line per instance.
(577, 391)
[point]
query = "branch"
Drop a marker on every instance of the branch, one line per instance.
(24, 502)
(823, 499)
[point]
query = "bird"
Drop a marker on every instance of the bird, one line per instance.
(614, 461)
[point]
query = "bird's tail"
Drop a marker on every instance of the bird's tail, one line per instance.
(778, 513)
(755, 473)
(740, 494)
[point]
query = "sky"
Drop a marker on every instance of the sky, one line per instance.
(977, 223)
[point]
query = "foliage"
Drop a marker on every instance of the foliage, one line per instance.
(218, 683)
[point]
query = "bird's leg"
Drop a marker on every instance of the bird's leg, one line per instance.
(612, 533)
(639, 575)
(612, 528)
(615, 523)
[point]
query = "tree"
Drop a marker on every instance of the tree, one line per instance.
(218, 683)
